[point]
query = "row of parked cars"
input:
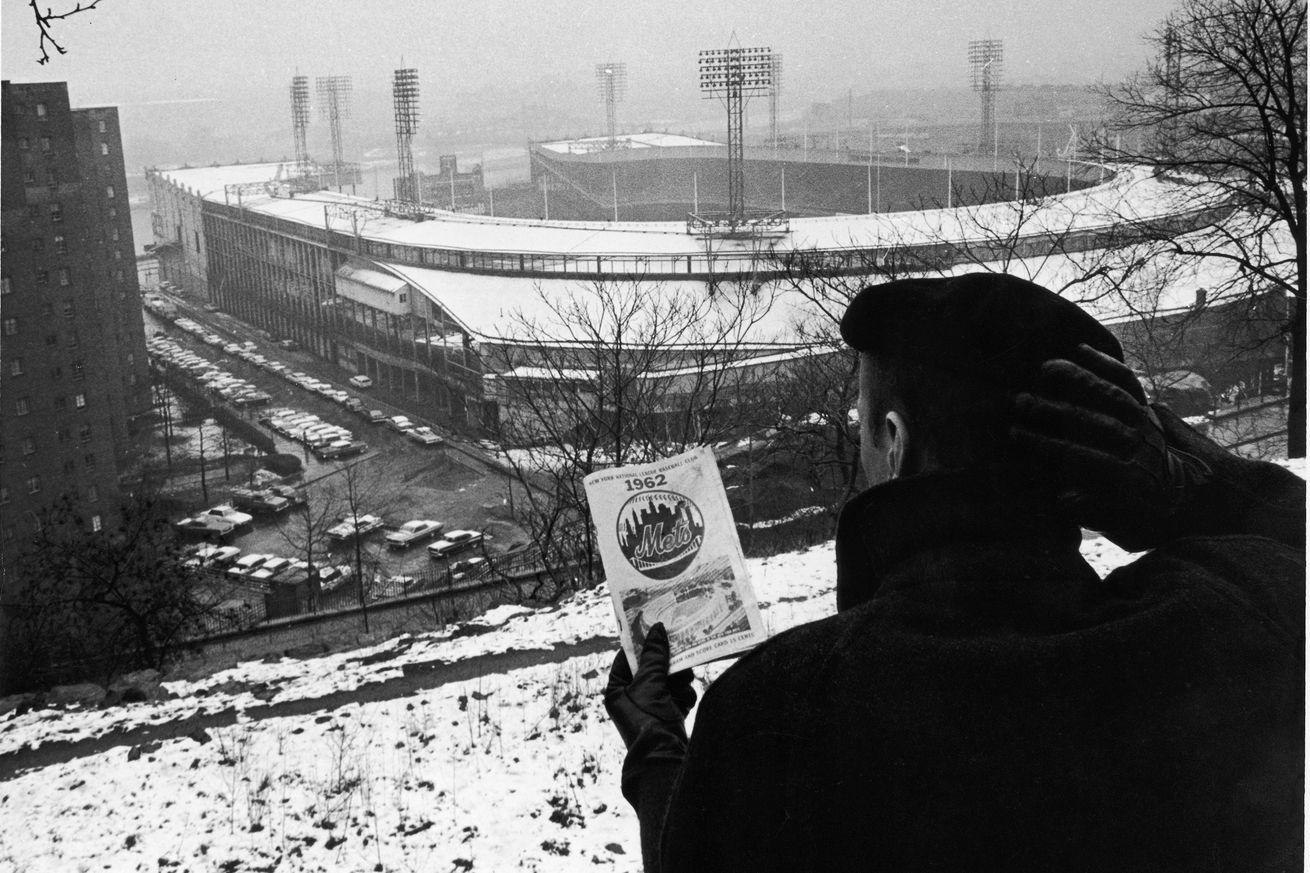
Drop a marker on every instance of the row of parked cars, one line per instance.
(265, 568)
(324, 439)
(209, 375)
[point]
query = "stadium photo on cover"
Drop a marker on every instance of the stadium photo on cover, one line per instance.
(671, 555)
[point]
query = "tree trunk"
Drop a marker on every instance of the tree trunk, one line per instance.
(1296, 383)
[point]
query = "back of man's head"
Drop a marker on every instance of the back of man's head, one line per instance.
(950, 354)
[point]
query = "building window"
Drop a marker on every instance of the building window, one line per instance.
(52, 177)
(10, 326)
(61, 244)
(6, 286)
(56, 213)
(38, 244)
(33, 484)
(24, 143)
(113, 234)
(22, 406)
(84, 433)
(113, 212)
(68, 309)
(79, 400)
(40, 110)
(118, 277)
(109, 192)
(92, 493)
(102, 126)
(4, 495)
(61, 402)
(96, 524)
(16, 367)
(104, 148)
(29, 176)
(63, 277)
(79, 372)
(91, 461)
(118, 254)
(29, 446)
(43, 277)
(45, 143)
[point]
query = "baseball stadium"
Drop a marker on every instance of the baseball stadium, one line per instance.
(437, 301)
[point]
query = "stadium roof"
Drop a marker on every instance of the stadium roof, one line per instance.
(623, 141)
(1130, 194)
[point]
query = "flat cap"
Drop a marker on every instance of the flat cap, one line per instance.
(996, 327)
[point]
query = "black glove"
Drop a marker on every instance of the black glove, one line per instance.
(652, 699)
(649, 710)
(1089, 430)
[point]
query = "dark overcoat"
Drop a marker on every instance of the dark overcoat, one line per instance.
(983, 701)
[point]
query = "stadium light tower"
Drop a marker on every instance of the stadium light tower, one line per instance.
(735, 74)
(334, 103)
(300, 121)
(986, 65)
(404, 99)
(612, 83)
(775, 61)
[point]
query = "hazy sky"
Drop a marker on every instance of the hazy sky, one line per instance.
(129, 51)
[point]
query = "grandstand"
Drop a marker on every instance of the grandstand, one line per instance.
(429, 303)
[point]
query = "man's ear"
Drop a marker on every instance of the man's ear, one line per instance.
(898, 436)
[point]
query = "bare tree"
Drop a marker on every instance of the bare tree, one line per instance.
(356, 489)
(107, 600)
(1223, 102)
(618, 373)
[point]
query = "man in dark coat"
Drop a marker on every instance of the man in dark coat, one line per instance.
(982, 700)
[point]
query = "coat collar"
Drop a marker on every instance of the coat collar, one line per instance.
(974, 529)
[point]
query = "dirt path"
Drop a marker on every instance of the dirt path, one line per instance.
(416, 677)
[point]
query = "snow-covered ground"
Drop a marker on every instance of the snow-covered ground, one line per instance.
(511, 770)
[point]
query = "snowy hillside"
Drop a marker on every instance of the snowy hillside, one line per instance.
(401, 757)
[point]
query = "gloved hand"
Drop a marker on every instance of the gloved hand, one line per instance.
(1090, 431)
(651, 701)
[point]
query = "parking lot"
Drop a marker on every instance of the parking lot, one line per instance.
(397, 475)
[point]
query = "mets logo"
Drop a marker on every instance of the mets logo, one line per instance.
(660, 533)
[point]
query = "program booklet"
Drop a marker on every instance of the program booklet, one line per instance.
(671, 554)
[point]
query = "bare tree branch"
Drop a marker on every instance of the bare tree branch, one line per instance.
(44, 20)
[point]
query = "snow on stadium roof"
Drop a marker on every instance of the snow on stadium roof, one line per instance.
(499, 308)
(1130, 194)
(592, 144)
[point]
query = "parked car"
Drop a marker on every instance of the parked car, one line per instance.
(339, 449)
(454, 542)
(413, 532)
(259, 501)
(274, 566)
(349, 528)
(248, 564)
(467, 569)
(400, 423)
(376, 416)
(215, 557)
(291, 494)
(289, 344)
(228, 513)
(425, 436)
(361, 381)
(207, 528)
(354, 404)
